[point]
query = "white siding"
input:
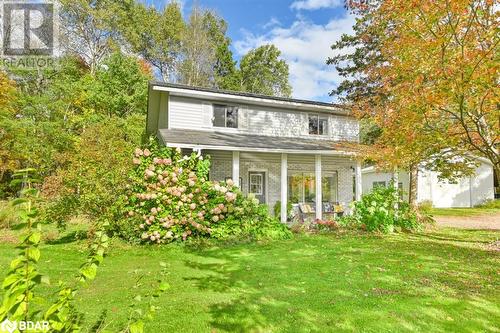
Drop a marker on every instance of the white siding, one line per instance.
(369, 177)
(186, 113)
(466, 192)
(195, 114)
(483, 184)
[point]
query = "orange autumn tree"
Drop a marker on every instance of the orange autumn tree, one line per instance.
(438, 88)
(7, 112)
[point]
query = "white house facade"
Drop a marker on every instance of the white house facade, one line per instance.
(466, 192)
(279, 149)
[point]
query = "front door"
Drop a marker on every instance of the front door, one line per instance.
(257, 185)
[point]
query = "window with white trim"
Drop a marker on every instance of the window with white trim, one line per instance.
(225, 116)
(256, 184)
(318, 125)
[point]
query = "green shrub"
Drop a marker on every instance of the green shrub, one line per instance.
(277, 208)
(425, 206)
(170, 199)
(490, 204)
(8, 215)
(18, 289)
(95, 173)
(348, 221)
(383, 210)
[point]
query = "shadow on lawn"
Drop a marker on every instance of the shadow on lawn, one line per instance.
(351, 284)
(254, 309)
(70, 237)
(442, 236)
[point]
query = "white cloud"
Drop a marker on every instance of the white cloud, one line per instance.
(305, 46)
(273, 22)
(315, 4)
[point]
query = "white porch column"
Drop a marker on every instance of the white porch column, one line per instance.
(319, 195)
(284, 187)
(236, 168)
(359, 184)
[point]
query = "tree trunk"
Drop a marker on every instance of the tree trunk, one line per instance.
(412, 196)
(496, 182)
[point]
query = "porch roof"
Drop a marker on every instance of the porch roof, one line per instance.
(248, 142)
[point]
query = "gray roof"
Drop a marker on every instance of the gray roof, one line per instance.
(220, 139)
(246, 94)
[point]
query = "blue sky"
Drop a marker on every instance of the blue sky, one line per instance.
(302, 29)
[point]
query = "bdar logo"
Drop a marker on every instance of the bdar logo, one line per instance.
(8, 326)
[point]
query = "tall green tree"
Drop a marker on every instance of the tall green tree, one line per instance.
(90, 28)
(207, 57)
(225, 71)
(155, 36)
(355, 52)
(263, 72)
(119, 88)
(198, 52)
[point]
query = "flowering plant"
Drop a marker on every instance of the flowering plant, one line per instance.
(326, 225)
(170, 198)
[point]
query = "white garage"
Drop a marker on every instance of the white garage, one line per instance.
(467, 192)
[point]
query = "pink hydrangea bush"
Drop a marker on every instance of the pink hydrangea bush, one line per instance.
(171, 199)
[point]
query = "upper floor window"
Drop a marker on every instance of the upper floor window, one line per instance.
(225, 116)
(318, 125)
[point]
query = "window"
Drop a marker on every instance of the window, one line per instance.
(329, 183)
(256, 184)
(379, 184)
(225, 116)
(302, 187)
(318, 125)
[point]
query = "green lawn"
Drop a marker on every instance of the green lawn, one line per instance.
(463, 212)
(444, 281)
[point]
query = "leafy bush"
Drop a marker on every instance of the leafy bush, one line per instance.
(171, 199)
(277, 208)
(425, 206)
(490, 204)
(94, 173)
(18, 289)
(348, 221)
(383, 210)
(8, 215)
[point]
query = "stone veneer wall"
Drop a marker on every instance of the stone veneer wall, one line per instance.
(271, 163)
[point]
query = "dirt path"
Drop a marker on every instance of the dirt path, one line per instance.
(491, 222)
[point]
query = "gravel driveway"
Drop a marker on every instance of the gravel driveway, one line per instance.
(491, 221)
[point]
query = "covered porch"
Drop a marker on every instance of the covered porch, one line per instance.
(302, 172)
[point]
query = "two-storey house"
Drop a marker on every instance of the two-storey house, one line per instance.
(279, 149)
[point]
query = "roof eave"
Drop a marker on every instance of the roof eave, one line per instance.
(253, 99)
(260, 150)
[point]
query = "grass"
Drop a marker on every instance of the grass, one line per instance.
(464, 212)
(441, 281)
